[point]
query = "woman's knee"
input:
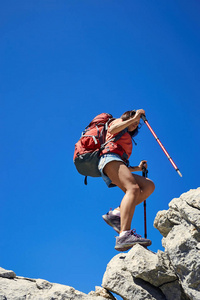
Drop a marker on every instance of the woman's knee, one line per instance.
(133, 189)
(151, 186)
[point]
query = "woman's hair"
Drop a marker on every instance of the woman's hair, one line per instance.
(127, 115)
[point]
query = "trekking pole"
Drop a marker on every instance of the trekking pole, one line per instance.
(144, 174)
(161, 145)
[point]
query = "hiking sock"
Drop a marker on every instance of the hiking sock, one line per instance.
(116, 212)
(123, 233)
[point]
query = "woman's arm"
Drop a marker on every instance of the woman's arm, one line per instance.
(119, 125)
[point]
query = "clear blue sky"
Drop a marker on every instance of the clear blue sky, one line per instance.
(63, 62)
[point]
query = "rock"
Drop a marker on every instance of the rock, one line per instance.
(162, 223)
(192, 198)
(21, 288)
(7, 274)
(119, 277)
(182, 242)
(43, 284)
(99, 291)
(184, 256)
(150, 267)
(173, 291)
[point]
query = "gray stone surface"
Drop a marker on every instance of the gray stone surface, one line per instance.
(123, 272)
(182, 243)
(20, 288)
(7, 274)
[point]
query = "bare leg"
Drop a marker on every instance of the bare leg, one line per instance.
(135, 187)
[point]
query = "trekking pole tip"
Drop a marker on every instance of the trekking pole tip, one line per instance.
(179, 173)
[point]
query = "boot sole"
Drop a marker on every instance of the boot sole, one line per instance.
(128, 246)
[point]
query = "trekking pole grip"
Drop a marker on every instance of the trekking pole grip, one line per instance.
(144, 118)
(144, 171)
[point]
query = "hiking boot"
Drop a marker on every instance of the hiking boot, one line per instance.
(112, 220)
(129, 239)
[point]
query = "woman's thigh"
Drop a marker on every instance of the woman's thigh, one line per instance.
(120, 175)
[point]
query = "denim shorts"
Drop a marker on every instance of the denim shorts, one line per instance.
(104, 160)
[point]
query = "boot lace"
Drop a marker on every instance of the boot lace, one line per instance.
(133, 232)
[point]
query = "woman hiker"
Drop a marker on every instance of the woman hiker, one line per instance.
(116, 172)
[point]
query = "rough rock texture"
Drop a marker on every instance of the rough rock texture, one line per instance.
(173, 274)
(13, 287)
(138, 274)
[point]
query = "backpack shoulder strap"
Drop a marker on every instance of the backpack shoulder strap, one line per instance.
(116, 137)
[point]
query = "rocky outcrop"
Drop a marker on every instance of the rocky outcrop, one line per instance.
(13, 287)
(173, 274)
(140, 273)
